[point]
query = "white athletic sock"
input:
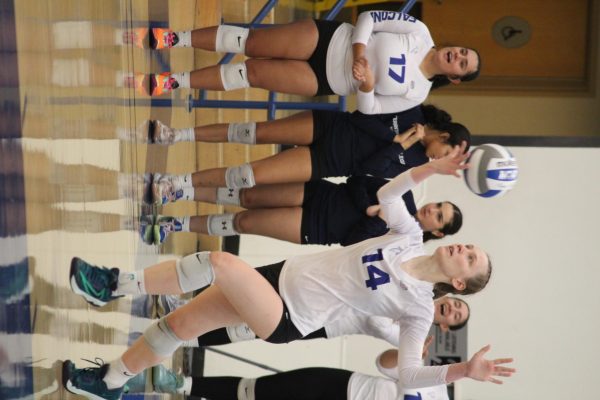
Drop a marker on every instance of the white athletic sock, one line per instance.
(185, 39)
(188, 193)
(183, 79)
(185, 180)
(184, 135)
(185, 224)
(187, 386)
(130, 283)
(191, 343)
(117, 375)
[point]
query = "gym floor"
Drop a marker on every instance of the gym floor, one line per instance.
(72, 159)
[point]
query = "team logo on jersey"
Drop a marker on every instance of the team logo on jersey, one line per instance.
(379, 16)
(394, 126)
(401, 159)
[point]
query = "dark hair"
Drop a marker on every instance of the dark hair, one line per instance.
(440, 120)
(443, 80)
(473, 285)
(451, 226)
(458, 326)
(462, 324)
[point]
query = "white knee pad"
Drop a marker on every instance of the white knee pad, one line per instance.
(231, 39)
(240, 177)
(246, 389)
(161, 338)
(244, 132)
(240, 333)
(221, 225)
(195, 271)
(228, 196)
(234, 76)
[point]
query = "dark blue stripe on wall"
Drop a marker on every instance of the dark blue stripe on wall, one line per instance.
(14, 263)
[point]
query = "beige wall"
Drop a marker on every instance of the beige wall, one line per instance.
(540, 115)
(544, 115)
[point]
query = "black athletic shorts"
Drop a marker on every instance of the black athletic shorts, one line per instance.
(332, 150)
(304, 384)
(318, 59)
(328, 213)
(286, 331)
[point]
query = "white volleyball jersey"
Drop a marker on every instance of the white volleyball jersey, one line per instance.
(380, 327)
(361, 387)
(367, 279)
(396, 44)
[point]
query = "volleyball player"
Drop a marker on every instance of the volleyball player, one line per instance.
(389, 276)
(388, 59)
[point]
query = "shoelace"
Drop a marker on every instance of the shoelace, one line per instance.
(98, 362)
(100, 275)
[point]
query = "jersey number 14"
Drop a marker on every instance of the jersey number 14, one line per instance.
(376, 276)
(398, 61)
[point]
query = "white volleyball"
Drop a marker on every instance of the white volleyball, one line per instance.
(493, 170)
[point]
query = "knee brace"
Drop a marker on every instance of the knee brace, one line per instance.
(161, 338)
(221, 225)
(240, 177)
(231, 39)
(240, 333)
(242, 133)
(195, 271)
(246, 389)
(228, 196)
(234, 76)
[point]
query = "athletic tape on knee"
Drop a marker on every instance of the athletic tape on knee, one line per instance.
(240, 177)
(244, 132)
(228, 196)
(161, 338)
(234, 76)
(195, 271)
(221, 225)
(72, 35)
(231, 39)
(246, 389)
(240, 333)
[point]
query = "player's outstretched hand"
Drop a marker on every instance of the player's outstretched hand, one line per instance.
(480, 369)
(452, 162)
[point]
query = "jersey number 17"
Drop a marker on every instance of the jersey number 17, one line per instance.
(397, 61)
(376, 276)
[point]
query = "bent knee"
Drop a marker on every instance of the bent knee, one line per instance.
(253, 72)
(248, 198)
(241, 222)
(220, 259)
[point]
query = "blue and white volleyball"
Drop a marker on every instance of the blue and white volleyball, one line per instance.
(493, 170)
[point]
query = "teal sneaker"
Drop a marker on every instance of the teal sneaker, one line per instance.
(95, 284)
(166, 381)
(89, 382)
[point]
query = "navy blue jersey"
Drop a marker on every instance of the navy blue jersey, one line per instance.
(336, 213)
(347, 144)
